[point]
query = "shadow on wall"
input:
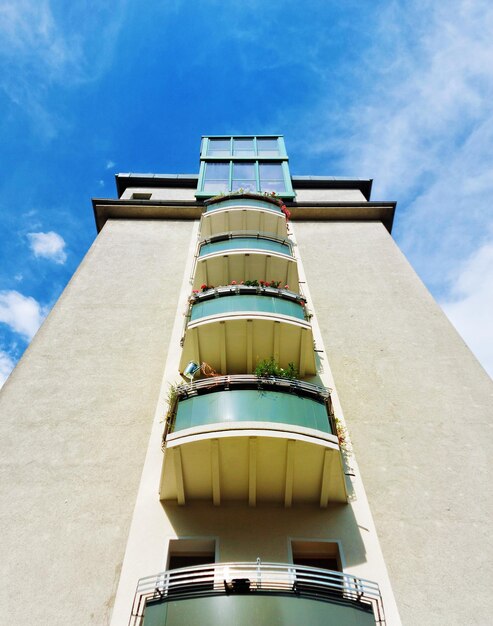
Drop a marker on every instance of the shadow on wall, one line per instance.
(244, 533)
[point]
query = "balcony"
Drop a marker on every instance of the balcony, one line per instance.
(221, 594)
(244, 438)
(244, 214)
(230, 242)
(233, 327)
(245, 256)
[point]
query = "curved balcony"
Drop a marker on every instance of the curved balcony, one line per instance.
(232, 328)
(226, 242)
(245, 256)
(221, 594)
(246, 214)
(243, 438)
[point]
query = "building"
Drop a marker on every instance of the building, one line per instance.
(232, 493)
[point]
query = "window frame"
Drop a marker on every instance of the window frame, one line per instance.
(258, 159)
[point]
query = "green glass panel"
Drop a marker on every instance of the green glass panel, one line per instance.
(244, 171)
(219, 147)
(217, 171)
(273, 185)
(267, 147)
(251, 405)
(216, 186)
(246, 303)
(238, 243)
(271, 171)
(248, 202)
(259, 610)
(245, 185)
(243, 147)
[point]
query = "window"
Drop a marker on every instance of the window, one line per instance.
(141, 196)
(272, 177)
(219, 148)
(219, 176)
(255, 164)
(244, 177)
(321, 554)
(243, 147)
(216, 178)
(189, 552)
(267, 147)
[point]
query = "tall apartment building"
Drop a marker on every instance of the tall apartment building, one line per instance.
(242, 376)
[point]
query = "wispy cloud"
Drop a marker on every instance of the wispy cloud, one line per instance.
(425, 127)
(44, 43)
(49, 245)
(6, 366)
(22, 314)
(110, 164)
(422, 127)
(472, 304)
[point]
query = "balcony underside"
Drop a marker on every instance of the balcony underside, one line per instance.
(243, 219)
(257, 462)
(238, 265)
(234, 344)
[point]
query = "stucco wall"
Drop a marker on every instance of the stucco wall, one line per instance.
(418, 406)
(329, 195)
(164, 193)
(75, 418)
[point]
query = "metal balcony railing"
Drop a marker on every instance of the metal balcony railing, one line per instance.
(234, 382)
(243, 202)
(245, 240)
(217, 579)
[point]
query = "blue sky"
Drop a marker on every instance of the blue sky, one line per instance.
(396, 91)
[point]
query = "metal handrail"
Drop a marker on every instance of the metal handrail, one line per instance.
(298, 387)
(251, 234)
(255, 578)
(239, 290)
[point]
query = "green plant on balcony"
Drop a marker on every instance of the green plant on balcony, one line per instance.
(343, 436)
(269, 367)
(171, 399)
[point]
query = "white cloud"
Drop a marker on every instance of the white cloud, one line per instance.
(471, 307)
(44, 43)
(22, 313)
(110, 164)
(422, 127)
(6, 366)
(49, 246)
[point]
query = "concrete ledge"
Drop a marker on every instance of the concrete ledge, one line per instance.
(105, 209)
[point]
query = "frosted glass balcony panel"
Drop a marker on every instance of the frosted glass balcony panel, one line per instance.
(240, 243)
(250, 405)
(244, 202)
(246, 303)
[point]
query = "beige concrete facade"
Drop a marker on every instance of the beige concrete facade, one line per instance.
(76, 416)
(418, 406)
(82, 420)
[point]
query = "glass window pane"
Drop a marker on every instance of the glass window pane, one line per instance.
(216, 186)
(219, 147)
(267, 147)
(243, 147)
(246, 185)
(273, 185)
(244, 170)
(217, 171)
(271, 171)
